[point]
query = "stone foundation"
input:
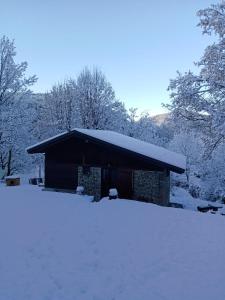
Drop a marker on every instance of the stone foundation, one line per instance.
(148, 186)
(91, 181)
(152, 187)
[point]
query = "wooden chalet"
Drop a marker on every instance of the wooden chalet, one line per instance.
(99, 160)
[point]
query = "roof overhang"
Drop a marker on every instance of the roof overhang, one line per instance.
(45, 145)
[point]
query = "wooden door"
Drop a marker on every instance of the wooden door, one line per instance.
(121, 179)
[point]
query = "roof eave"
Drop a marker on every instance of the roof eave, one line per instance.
(42, 149)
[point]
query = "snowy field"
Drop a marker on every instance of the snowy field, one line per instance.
(57, 246)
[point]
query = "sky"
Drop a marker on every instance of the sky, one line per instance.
(139, 45)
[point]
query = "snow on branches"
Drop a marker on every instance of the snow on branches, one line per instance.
(199, 99)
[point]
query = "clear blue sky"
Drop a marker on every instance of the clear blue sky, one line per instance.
(138, 44)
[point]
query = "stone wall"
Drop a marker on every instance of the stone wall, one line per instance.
(152, 186)
(91, 181)
(148, 186)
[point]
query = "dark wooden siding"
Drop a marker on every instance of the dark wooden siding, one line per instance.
(60, 175)
(85, 152)
(62, 159)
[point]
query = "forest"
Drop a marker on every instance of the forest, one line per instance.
(193, 126)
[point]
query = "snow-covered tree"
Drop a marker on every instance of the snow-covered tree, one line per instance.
(198, 107)
(87, 101)
(212, 174)
(13, 82)
(95, 98)
(199, 99)
(116, 117)
(191, 146)
(58, 111)
(13, 85)
(146, 130)
(142, 126)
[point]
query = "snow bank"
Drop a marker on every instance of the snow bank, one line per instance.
(58, 246)
(181, 196)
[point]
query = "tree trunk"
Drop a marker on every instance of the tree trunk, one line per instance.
(9, 163)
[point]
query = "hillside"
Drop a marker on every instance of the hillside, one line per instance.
(160, 118)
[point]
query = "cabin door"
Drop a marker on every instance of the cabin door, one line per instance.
(121, 179)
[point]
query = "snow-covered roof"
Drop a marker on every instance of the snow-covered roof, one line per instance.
(138, 146)
(123, 141)
(46, 140)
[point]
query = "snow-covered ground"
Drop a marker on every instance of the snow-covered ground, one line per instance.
(59, 246)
